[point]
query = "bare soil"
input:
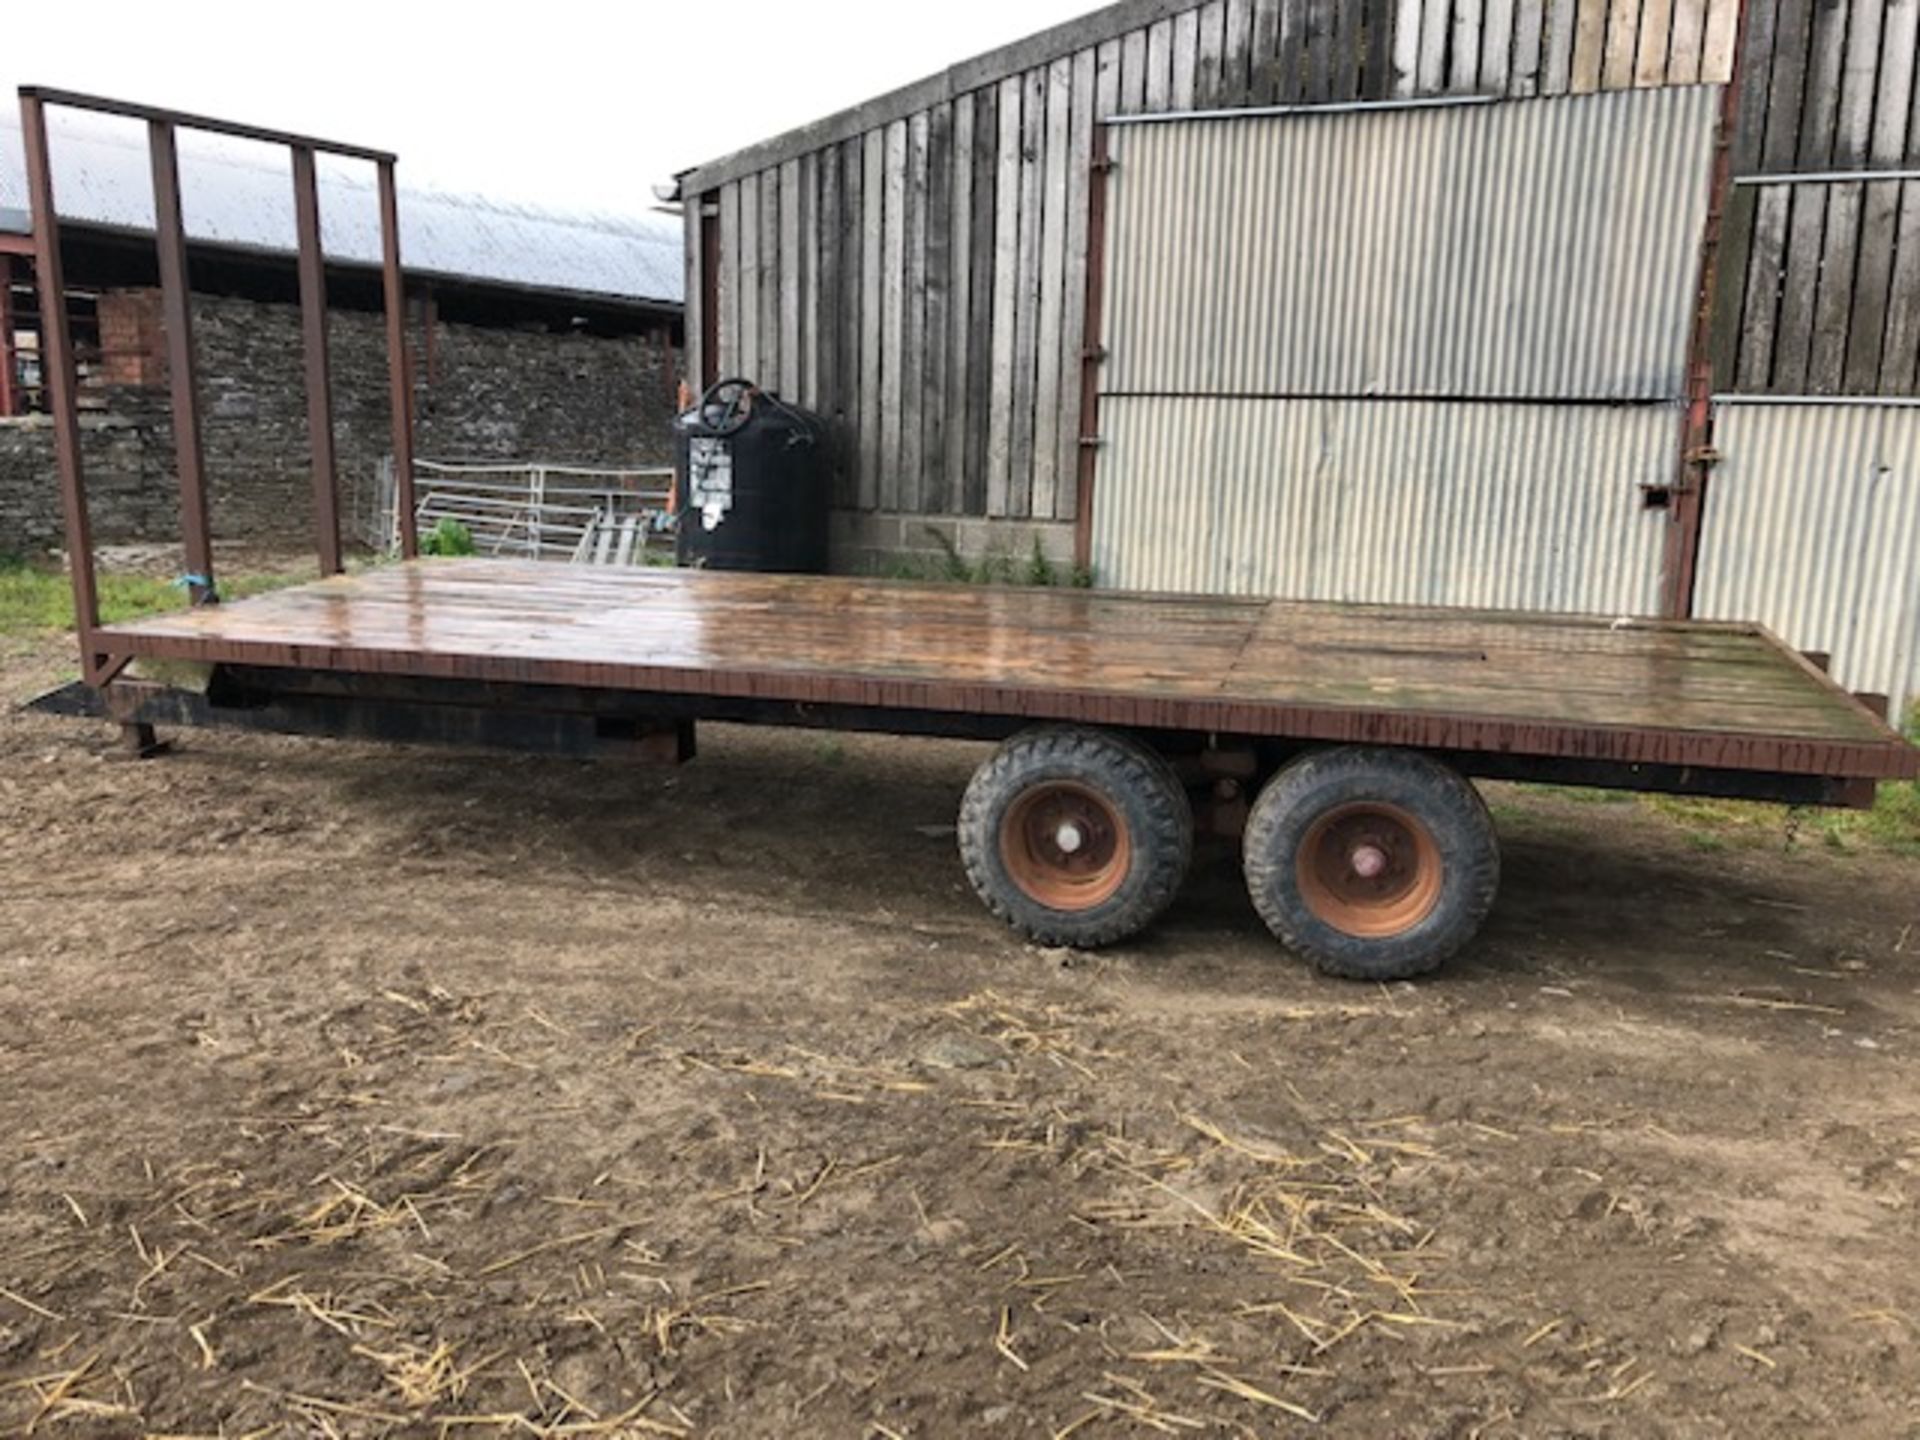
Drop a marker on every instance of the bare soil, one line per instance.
(358, 1091)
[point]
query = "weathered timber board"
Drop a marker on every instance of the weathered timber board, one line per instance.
(1723, 696)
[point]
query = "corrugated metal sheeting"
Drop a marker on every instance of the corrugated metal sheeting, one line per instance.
(1812, 527)
(238, 193)
(1419, 502)
(1540, 250)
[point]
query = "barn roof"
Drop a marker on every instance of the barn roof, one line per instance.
(240, 195)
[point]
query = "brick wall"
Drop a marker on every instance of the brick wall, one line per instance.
(499, 394)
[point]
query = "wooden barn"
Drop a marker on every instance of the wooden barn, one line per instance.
(1605, 305)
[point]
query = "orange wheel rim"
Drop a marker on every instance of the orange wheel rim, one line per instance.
(1370, 870)
(1065, 845)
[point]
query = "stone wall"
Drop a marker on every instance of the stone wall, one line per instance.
(496, 394)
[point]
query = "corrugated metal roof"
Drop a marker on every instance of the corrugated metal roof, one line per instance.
(1526, 507)
(1813, 528)
(240, 194)
(1542, 250)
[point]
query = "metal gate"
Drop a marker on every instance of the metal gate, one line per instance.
(1422, 353)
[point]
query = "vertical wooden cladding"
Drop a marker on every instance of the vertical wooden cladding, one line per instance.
(1824, 298)
(918, 273)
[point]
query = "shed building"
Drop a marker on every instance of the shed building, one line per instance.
(1432, 300)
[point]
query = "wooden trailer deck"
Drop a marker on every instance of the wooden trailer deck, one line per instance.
(1719, 696)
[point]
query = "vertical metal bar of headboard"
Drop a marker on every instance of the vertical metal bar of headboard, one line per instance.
(60, 379)
(399, 377)
(176, 317)
(313, 335)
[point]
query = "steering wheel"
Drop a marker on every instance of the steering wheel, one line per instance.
(727, 406)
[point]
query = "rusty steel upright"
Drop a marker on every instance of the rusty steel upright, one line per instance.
(1695, 470)
(176, 313)
(399, 375)
(60, 380)
(313, 336)
(1091, 349)
(8, 402)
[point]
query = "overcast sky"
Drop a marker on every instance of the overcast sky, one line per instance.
(558, 102)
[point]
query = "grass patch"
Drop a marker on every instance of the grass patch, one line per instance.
(36, 597)
(997, 567)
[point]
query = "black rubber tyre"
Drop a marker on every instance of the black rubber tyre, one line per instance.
(1075, 836)
(1375, 864)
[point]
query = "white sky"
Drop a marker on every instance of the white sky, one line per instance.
(562, 103)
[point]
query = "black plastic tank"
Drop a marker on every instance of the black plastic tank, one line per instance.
(753, 480)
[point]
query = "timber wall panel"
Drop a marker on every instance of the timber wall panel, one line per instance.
(941, 231)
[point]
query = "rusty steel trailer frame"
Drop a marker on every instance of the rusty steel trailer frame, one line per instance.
(98, 661)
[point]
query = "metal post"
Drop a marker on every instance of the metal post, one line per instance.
(313, 335)
(57, 374)
(8, 402)
(176, 307)
(1696, 442)
(399, 376)
(1091, 353)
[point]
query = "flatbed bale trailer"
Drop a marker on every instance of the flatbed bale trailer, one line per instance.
(1336, 740)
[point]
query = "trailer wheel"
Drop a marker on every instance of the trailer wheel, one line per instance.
(1074, 836)
(1374, 864)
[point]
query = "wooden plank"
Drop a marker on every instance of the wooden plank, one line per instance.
(810, 280)
(1073, 326)
(1898, 104)
(1820, 111)
(790, 280)
(1290, 70)
(1623, 34)
(1431, 73)
(1589, 47)
(1263, 60)
(913, 296)
(893, 310)
(1900, 353)
(960, 302)
(1006, 300)
(1656, 33)
(1756, 69)
(768, 372)
(1866, 327)
(1319, 52)
(851, 313)
(1236, 65)
(749, 358)
(873, 265)
(830, 301)
(1716, 48)
(1463, 71)
(1133, 72)
(1159, 87)
(980, 318)
(1793, 343)
(1377, 73)
(1853, 132)
(1686, 35)
(1349, 48)
(1529, 34)
(1496, 47)
(1773, 205)
(1561, 24)
(1786, 80)
(694, 280)
(1186, 59)
(937, 244)
(1731, 276)
(1026, 319)
(728, 361)
(1407, 31)
(1210, 54)
(1833, 294)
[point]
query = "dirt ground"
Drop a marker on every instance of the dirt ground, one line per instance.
(355, 1091)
